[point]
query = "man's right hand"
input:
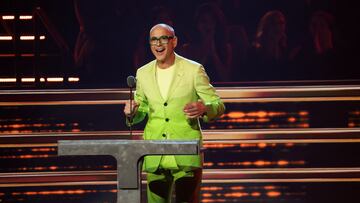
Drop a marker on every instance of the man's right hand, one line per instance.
(128, 112)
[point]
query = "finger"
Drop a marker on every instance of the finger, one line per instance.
(194, 116)
(131, 104)
(187, 107)
(126, 111)
(192, 107)
(136, 108)
(193, 113)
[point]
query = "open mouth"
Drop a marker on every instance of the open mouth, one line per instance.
(160, 49)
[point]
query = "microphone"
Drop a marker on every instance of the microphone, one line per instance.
(131, 82)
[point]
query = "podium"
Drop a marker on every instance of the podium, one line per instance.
(128, 154)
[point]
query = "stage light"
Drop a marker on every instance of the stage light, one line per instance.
(73, 79)
(27, 79)
(7, 79)
(55, 79)
(6, 38)
(27, 37)
(42, 37)
(25, 17)
(42, 79)
(9, 17)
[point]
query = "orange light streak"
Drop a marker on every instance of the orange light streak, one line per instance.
(212, 200)
(207, 195)
(237, 188)
(212, 188)
(273, 194)
(236, 114)
(283, 163)
(208, 164)
(43, 149)
(269, 187)
(303, 113)
(291, 119)
(236, 194)
(255, 194)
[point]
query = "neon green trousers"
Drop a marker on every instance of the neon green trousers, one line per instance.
(163, 184)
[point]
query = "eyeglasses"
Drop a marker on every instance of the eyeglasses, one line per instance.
(162, 40)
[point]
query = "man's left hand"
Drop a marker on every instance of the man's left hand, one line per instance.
(194, 109)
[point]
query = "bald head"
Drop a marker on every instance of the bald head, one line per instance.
(163, 26)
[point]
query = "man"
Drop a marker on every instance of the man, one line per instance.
(174, 92)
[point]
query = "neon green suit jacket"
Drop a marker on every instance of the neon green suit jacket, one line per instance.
(166, 119)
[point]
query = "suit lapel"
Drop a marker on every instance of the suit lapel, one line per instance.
(154, 82)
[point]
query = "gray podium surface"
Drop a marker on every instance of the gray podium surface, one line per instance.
(128, 154)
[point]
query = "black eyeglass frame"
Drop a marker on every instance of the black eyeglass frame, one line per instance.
(156, 40)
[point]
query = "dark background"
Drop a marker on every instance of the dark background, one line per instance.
(118, 28)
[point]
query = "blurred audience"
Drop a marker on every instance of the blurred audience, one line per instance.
(316, 56)
(238, 40)
(217, 33)
(269, 53)
(209, 45)
(102, 49)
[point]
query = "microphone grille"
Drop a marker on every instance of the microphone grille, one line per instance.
(131, 81)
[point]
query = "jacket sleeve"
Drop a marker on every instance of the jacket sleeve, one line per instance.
(141, 99)
(207, 93)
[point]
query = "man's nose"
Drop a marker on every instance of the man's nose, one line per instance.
(157, 43)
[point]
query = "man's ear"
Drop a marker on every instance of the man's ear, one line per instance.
(175, 41)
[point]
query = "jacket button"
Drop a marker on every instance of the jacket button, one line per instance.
(165, 104)
(164, 135)
(167, 120)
